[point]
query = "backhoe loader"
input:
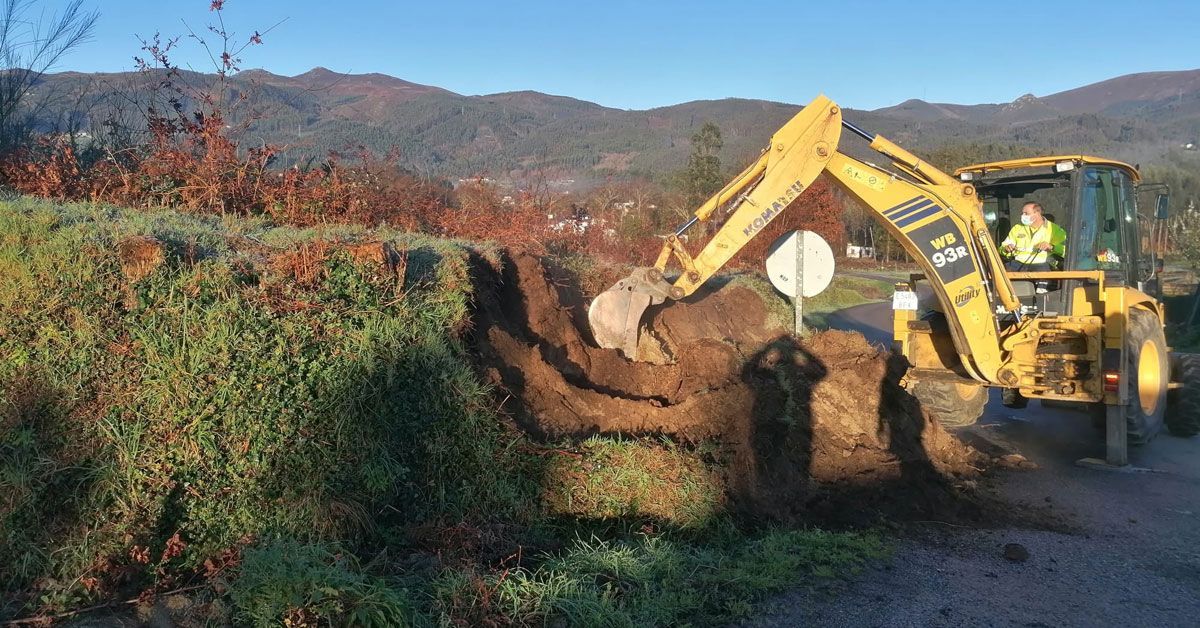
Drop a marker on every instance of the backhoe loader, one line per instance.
(1092, 338)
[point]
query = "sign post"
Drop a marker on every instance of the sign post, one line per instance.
(800, 264)
(798, 300)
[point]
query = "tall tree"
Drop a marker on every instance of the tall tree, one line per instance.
(30, 44)
(702, 177)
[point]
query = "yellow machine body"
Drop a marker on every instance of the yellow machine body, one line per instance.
(982, 339)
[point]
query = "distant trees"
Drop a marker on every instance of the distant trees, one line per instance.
(633, 208)
(951, 155)
(31, 44)
(1178, 171)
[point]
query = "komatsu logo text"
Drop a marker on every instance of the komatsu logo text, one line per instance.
(775, 209)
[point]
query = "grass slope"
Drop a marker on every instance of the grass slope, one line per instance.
(296, 428)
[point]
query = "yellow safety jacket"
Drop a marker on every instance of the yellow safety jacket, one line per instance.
(1025, 240)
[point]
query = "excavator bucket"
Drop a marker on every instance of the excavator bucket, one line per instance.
(615, 315)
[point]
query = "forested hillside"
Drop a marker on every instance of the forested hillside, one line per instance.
(432, 131)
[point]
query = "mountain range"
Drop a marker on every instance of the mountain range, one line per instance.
(434, 131)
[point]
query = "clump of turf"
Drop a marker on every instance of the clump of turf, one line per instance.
(612, 479)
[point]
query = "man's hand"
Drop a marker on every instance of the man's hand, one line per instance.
(1010, 247)
(1043, 246)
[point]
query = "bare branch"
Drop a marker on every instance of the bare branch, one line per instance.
(30, 47)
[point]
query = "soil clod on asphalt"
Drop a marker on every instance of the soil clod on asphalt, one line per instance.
(1015, 552)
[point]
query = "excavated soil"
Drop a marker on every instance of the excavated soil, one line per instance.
(818, 430)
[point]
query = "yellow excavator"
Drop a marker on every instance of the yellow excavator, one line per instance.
(1087, 334)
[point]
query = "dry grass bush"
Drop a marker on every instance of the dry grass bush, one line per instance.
(48, 168)
(199, 168)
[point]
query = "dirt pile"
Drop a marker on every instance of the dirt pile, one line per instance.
(803, 426)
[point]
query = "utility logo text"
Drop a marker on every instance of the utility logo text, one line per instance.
(965, 295)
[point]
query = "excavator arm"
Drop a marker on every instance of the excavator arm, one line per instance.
(937, 219)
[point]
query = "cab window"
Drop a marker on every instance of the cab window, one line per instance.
(1002, 203)
(1106, 203)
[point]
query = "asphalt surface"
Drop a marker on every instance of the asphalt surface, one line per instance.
(1133, 558)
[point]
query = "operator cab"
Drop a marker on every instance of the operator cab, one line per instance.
(1094, 200)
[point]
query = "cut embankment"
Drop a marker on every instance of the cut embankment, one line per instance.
(817, 429)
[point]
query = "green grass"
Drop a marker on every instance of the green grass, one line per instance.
(317, 427)
(223, 402)
(316, 584)
(657, 580)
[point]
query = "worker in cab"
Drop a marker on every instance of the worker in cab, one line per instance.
(1035, 245)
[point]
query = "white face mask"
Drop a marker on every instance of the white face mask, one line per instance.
(1026, 220)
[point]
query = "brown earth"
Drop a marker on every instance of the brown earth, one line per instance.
(819, 429)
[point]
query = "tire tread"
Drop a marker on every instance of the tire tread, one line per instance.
(1183, 403)
(944, 404)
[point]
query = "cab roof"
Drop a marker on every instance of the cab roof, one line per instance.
(1037, 162)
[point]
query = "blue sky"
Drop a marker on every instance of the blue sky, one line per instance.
(637, 55)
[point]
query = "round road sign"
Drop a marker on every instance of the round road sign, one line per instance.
(818, 263)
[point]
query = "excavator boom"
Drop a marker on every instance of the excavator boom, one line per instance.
(935, 217)
(1107, 348)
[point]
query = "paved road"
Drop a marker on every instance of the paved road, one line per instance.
(1135, 560)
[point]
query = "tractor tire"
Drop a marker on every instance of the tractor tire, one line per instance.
(952, 404)
(1183, 403)
(1148, 367)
